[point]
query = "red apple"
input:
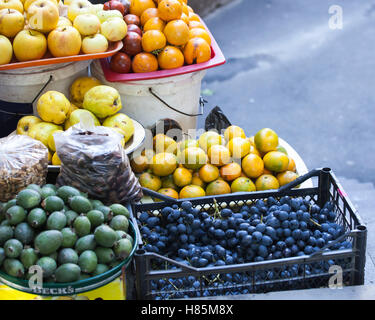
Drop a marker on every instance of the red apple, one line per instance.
(132, 19)
(134, 28)
(121, 63)
(132, 44)
(114, 5)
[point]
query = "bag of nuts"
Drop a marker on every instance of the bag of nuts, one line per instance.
(93, 161)
(23, 161)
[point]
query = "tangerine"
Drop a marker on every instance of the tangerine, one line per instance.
(137, 7)
(197, 50)
(170, 10)
(266, 140)
(154, 24)
(177, 32)
(182, 145)
(139, 164)
(266, 182)
(148, 14)
(196, 24)
(209, 139)
(286, 177)
(231, 171)
(163, 164)
(168, 182)
(234, 132)
(276, 161)
(292, 165)
(239, 147)
(163, 143)
(200, 33)
(192, 191)
(218, 187)
(144, 62)
(209, 173)
(169, 192)
(182, 177)
(153, 40)
(170, 58)
(150, 181)
(253, 166)
(243, 184)
(194, 158)
(197, 180)
(219, 155)
(194, 17)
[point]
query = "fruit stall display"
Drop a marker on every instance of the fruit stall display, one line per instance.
(215, 164)
(79, 243)
(249, 243)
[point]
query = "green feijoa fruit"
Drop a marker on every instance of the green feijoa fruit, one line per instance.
(100, 268)
(119, 223)
(122, 249)
(88, 261)
(2, 256)
(28, 198)
(67, 192)
(14, 268)
(105, 236)
(48, 241)
(68, 272)
(47, 192)
(66, 208)
(67, 255)
(120, 210)
(37, 218)
(69, 238)
(85, 243)
(114, 263)
(34, 187)
(130, 238)
(6, 233)
(5, 223)
(70, 216)
(53, 255)
(15, 215)
(56, 221)
(24, 233)
(96, 217)
(121, 234)
(84, 276)
(108, 214)
(96, 203)
(48, 266)
(105, 255)
(9, 204)
(52, 186)
(82, 226)
(13, 248)
(84, 194)
(28, 257)
(53, 203)
(80, 204)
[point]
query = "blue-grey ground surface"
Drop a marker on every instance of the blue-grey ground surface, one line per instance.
(288, 70)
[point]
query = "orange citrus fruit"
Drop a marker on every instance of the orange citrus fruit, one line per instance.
(197, 50)
(266, 182)
(171, 58)
(266, 171)
(209, 173)
(153, 40)
(197, 181)
(137, 7)
(154, 24)
(163, 164)
(170, 10)
(148, 153)
(194, 17)
(286, 177)
(177, 32)
(148, 14)
(218, 187)
(163, 143)
(150, 181)
(292, 165)
(193, 158)
(185, 19)
(139, 164)
(200, 33)
(282, 149)
(230, 171)
(254, 150)
(196, 24)
(168, 183)
(266, 140)
(253, 166)
(182, 145)
(145, 62)
(239, 147)
(168, 192)
(243, 184)
(192, 191)
(234, 132)
(276, 161)
(219, 155)
(209, 139)
(182, 177)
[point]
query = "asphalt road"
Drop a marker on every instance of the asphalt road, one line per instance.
(288, 70)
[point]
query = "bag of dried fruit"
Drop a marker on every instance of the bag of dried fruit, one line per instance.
(93, 161)
(23, 161)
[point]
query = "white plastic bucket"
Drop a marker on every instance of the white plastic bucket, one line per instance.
(23, 85)
(180, 92)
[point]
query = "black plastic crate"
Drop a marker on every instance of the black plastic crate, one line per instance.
(155, 279)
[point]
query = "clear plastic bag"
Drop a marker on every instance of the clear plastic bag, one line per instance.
(23, 161)
(93, 161)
